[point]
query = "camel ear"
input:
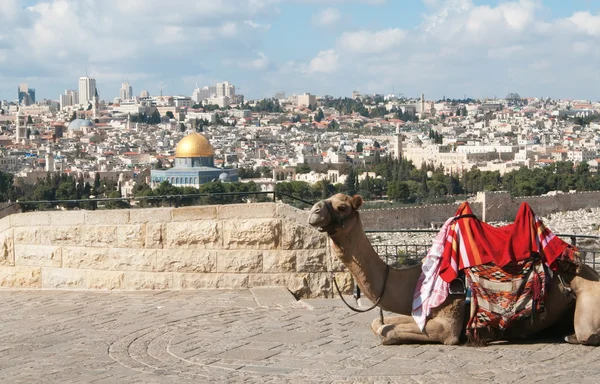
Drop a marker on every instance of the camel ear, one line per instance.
(357, 201)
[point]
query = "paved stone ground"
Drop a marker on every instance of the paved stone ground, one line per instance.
(249, 336)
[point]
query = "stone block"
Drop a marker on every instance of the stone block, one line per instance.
(99, 236)
(20, 277)
(131, 236)
(194, 213)
(63, 278)
(186, 260)
(7, 248)
(243, 211)
(149, 215)
(210, 280)
(320, 285)
(239, 261)
(252, 234)
(104, 280)
(60, 235)
(26, 235)
(147, 280)
(67, 218)
(203, 234)
(279, 261)
(30, 219)
(4, 223)
(155, 235)
(38, 255)
(269, 279)
(111, 259)
(301, 237)
(112, 216)
(291, 213)
(311, 260)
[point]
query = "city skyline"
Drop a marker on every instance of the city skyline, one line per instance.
(441, 48)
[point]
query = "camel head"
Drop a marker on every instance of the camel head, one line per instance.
(338, 213)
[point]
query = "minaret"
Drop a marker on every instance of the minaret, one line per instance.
(398, 143)
(21, 129)
(422, 103)
(128, 122)
(49, 161)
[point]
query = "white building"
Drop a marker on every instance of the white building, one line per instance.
(225, 89)
(306, 99)
(87, 90)
(126, 91)
(203, 93)
(221, 101)
(183, 101)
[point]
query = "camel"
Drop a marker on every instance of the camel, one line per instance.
(338, 216)
(584, 281)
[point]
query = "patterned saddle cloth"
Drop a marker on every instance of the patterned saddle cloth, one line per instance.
(503, 295)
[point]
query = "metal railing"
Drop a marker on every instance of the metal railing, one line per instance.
(156, 201)
(409, 253)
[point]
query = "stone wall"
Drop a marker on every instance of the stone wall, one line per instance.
(425, 216)
(489, 206)
(229, 246)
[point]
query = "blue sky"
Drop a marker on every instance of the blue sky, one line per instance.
(449, 48)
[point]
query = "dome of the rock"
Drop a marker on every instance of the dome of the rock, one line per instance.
(194, 145)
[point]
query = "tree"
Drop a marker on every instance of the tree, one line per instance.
(170, 115)
(29, 119)
(154, 118)
(181, 127)
(28, 132)
(319, 116)
(350, 183)
(158, 164)
(359, 147)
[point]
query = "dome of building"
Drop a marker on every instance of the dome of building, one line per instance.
(78, 124)
(194, 145)
(223, 177)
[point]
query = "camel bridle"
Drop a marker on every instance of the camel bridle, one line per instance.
(335, 220)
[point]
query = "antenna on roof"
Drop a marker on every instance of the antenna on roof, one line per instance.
(161, 85)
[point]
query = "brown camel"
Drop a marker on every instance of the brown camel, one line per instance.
(339, 217)
(585, 283)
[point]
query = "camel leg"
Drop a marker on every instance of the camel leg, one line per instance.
(572, 339)
(404, 330)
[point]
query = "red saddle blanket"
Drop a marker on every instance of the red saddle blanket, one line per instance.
(502, 295)
(472, 242)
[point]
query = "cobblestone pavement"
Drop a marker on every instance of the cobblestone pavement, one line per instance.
(250, 336)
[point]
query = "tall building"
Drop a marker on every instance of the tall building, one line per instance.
(144, 94)
(26, 94)
(398, 143)
(203, 93)
(126, 92)
(225, 89)
(306, 100)
(21, 126)
(87, 90)
(70, 98)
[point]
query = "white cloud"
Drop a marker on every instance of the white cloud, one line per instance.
(586, 23)
(260, 63)
(325, 62)
(326, 17)
(372, 42)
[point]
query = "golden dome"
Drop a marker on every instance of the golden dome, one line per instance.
(194, 145)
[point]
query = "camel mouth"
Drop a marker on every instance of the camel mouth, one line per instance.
(319, 217)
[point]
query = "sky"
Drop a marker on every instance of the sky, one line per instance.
(451, 48)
